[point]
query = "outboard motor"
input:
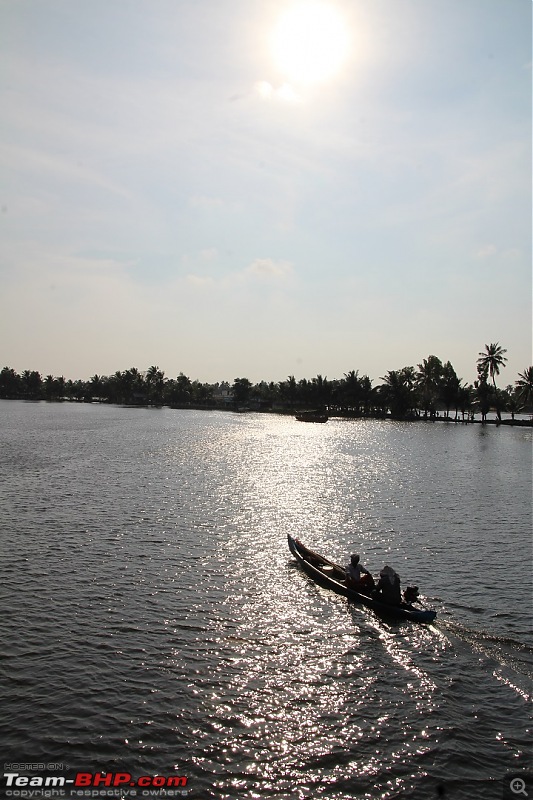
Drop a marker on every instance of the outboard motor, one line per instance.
(410, 595)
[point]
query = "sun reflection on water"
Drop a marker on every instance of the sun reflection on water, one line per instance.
(307, 695)
(298, 691)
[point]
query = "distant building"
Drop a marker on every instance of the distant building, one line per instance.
(222, 394)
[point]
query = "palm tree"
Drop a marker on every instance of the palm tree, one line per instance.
(320, 390)
(180, 390)
(202, 393)
(116, 388)
(514, 402)
(525, 386)
(49, 386)
(492, 360)
(428, 379)
(241, 390)
(10, 383)
(155, 379)
(59, 386)
(31, 383)
(95, 386)
(351, 391)
(288, 390)
(304, 392)
(465, 400)
(367, 393)
(449, 387)
(489, 363)
(483, 391)
(398, 391)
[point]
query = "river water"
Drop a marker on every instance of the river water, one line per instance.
(154, 621)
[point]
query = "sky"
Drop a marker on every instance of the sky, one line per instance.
(264, 188)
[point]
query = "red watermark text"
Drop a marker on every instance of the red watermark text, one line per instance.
(90, 779)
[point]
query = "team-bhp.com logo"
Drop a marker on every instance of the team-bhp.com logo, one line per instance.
(84, 784)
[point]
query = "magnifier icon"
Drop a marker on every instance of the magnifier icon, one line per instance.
(518, 786)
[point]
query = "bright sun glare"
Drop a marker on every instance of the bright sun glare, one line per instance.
(310, 42)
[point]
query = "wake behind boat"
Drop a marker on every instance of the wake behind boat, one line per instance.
(333, 577)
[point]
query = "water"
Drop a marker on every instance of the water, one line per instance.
(154, 620)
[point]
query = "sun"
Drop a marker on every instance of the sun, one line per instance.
(310, 42)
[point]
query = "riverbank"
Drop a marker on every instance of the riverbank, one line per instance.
(333, 413)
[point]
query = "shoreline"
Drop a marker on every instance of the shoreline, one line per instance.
(521, 423)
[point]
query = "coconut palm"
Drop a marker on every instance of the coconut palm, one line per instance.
(428, 380)
(448, 389)
(492, 360)
(483, 391)
(96, 385)
(368, 394)
(202, 393)
(49, 386)
(321, 390)
(398, 391)
(59, 386)
(524, 385)
(10, 383)
(465, 400)
(31, 384)
(350, 389)
(288, 390)
(514, 402)
(155, 381)
(241, 388)
(179, 390)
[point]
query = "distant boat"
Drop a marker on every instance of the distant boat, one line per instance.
(311, 416)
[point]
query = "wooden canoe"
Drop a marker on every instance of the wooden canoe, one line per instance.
(333, 577)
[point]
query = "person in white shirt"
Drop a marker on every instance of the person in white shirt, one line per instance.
(359, 578)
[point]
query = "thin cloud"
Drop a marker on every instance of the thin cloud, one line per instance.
(486, 251)
(260, 271)
(270, 270)
(200, 281)
(34, 161)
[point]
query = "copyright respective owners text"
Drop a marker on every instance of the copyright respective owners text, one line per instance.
(518, 784)
(34, 780)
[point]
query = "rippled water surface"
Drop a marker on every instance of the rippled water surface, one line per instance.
(154, 620)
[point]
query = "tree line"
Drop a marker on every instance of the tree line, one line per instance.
(408, 393)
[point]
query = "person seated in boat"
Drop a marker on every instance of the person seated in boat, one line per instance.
(358, 577)
(388, 587)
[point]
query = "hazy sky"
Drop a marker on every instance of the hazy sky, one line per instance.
(262, 188)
